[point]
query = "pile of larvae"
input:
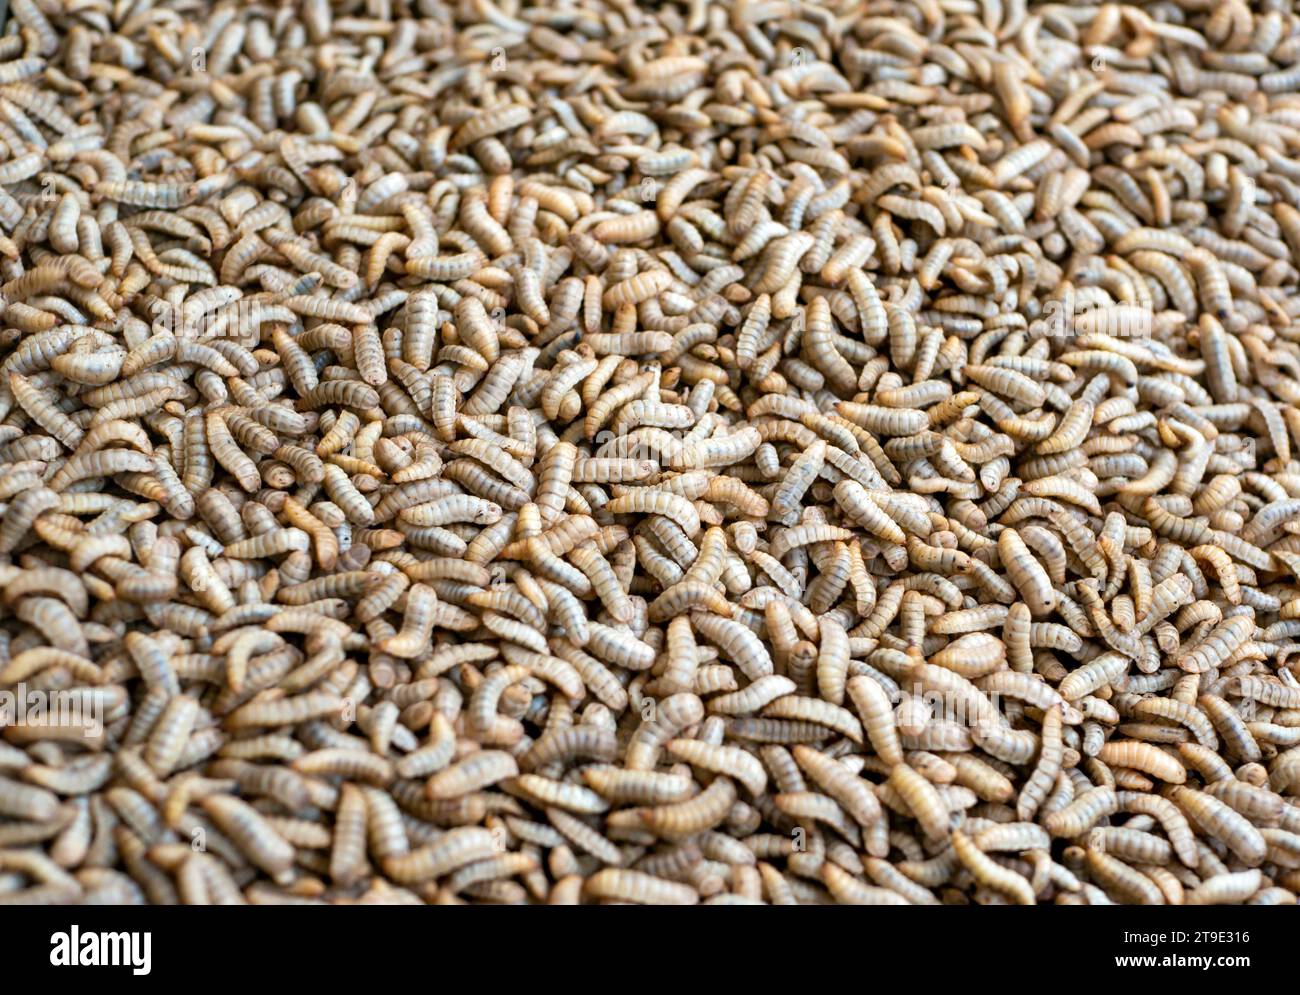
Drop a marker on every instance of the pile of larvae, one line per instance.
(712, 451)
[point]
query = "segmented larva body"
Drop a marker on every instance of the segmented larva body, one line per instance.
(250, 831)
(1222, 822)
(634, 886)
(1083, 813)
(454, 849)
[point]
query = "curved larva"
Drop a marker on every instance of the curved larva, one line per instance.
(738, 644)
(922, 800)
(348, 843)
(750, 699)
(852, 792)
(1026, 573)
(1083, 813)
(730, 760)
(1226, 889)
(832, 661)
(699, 814)
(251, 833)
(1050, 755)
(1218, 644)
(634, 886)
(643, 787)
(454, 849)
(1222, 822)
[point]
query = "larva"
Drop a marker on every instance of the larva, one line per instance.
(729, 760)
(635, 886)
(989, 873)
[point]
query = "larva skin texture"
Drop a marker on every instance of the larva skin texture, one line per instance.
(698, 457)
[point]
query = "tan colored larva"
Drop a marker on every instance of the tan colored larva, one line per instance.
(1222, 822)
(250, 831)
(989, 873)
(634, 886)
(854, 795)
(733, 761)
(1083, 813)
(684, 819)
